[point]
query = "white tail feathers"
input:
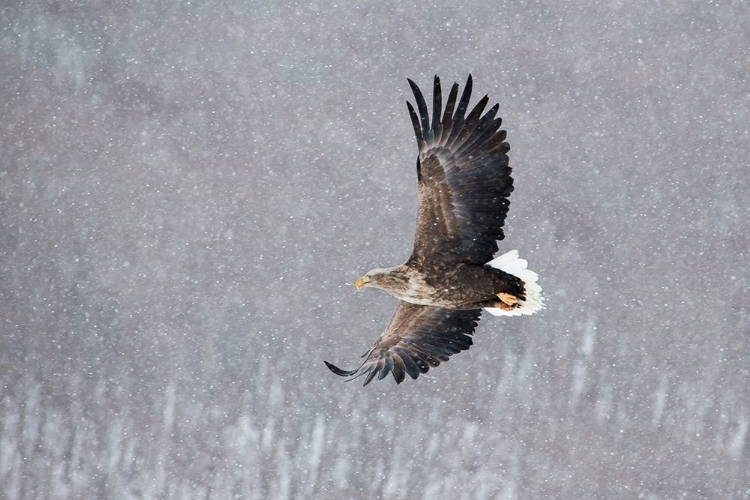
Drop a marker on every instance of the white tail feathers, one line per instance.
(510, 263)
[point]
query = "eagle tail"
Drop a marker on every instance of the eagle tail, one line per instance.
(511, 263)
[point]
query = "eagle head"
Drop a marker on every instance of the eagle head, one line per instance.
(387, 279)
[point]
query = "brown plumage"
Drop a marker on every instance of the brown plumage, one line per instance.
(464, 183)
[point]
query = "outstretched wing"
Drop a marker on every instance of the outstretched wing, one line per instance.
(417, 338)
(464, 178)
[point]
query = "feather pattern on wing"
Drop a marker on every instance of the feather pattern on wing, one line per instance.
(464, 178)
(418, 337)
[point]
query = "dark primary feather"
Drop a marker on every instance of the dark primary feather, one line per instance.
(437, 103)
(464, 179)
(447, 122)
(418, 337)
(422, 107)
(415, 124)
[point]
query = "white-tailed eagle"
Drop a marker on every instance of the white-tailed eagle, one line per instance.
(464, 184)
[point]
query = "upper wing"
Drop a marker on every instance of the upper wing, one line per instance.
(417, 338)
(464, 178)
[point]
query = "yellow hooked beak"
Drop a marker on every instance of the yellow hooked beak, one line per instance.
(364, 280)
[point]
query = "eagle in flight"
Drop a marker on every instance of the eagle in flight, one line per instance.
(464, 183)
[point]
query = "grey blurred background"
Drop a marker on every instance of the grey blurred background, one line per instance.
(188, 191)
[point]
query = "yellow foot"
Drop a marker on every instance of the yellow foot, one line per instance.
(508, 299)
(504, 306)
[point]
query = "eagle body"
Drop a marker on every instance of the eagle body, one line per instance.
(460, 286)
(463, 183)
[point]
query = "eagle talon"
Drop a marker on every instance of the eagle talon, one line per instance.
(508, 299)
(504, 306)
